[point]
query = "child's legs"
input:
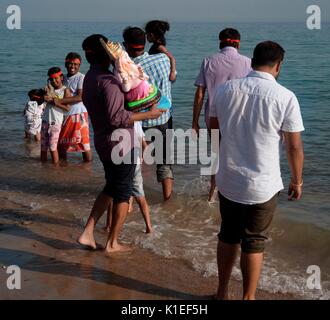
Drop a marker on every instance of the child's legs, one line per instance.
(62, 152)
(144, 208)
(44, 141)
(37, 129)
(212, 188)
(137, 183)
(109, 216)
(43, 156)
(54, 134)
(138, 193)
(37, 137)
(55, 156)
(130, 205)
(87, 156)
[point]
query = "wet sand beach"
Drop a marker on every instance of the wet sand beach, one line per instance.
(54, 266)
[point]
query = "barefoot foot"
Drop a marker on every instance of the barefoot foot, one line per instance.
(117, 248)
(87, 241)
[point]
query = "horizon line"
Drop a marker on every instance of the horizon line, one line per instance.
(173, 21)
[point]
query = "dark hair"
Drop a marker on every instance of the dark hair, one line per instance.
(72, 56)
(53, 71)
(229, 33)
(135, 36)
(94, 51)
(267, 53)
(37, 93)
(158, 28)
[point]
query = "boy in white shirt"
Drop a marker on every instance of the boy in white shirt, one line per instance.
(33, 112)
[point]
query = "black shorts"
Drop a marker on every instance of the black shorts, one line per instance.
(119, 178)
(246, 224)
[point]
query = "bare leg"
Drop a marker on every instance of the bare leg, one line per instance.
(212, 188)
(119, 213)
(37, 137)
(87, 156)
(144, 208)
(251, 268)
(167, 185)
(62, 153)
(130, 206)
(226, 256)
(43, 156)
(100, 205)
(55, 157)
(109, 217)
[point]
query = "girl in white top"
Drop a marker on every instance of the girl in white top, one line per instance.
(53, 116)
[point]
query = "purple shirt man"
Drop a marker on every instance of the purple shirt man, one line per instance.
(104, 101)
(215, 70)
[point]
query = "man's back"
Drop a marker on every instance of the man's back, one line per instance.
(104, 101)
(252, 113)
(225, 65)
(158, 68)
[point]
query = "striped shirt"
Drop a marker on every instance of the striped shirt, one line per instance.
(157, 67)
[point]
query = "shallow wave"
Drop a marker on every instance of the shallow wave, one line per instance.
(187, 229)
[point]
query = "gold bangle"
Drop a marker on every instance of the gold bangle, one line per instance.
(297, 185)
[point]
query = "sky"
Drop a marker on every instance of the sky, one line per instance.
(171, 10)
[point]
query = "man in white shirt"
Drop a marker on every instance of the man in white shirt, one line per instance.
(255, 115)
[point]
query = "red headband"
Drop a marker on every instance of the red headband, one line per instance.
(55, 75)
(231, 40)
(76, 60)
(136, 46)
(35, 97)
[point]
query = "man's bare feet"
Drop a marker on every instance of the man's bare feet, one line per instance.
(87, 241)
(117, 248)
(148, 230)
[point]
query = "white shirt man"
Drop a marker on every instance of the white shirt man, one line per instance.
(253, 113)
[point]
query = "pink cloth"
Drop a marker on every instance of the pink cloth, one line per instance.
(140, 92)
(49, 136)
